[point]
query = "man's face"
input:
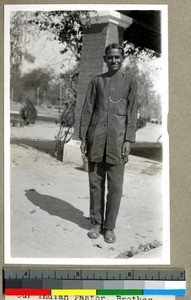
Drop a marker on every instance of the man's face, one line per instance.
(114, 60)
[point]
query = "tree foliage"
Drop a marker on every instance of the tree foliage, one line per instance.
(70, 81)
(65, 26)
(139, 52)
(18, 39)
(149, 102)
(37, 79)
(28, 112)
(18, 52)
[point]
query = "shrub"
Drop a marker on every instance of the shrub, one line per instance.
(28, 112)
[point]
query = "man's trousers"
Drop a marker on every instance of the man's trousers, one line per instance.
(101, 212)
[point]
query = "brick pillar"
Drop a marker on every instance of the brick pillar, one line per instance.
(107, 28)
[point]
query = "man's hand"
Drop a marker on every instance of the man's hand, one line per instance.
(83, 147)
(125, 151)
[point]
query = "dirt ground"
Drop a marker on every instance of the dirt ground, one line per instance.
(50, 205)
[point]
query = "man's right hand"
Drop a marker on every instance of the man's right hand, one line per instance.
(83, 147)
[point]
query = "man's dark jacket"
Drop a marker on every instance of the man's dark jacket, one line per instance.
(109, 116)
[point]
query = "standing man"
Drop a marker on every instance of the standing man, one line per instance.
(108, 126)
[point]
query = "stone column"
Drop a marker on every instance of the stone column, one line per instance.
(107, 27)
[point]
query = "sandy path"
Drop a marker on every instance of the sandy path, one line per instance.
(50, 203)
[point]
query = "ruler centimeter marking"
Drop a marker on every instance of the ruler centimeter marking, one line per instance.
(35, 281)
(97, 274)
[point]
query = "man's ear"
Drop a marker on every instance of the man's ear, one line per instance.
(123, 56)
(104, 58)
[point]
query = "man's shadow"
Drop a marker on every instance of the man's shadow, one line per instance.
(57, 207)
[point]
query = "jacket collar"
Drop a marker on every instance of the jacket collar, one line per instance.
(118, 73)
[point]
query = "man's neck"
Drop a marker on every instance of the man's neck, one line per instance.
(112, 73)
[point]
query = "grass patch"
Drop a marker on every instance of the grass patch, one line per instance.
(142, 248)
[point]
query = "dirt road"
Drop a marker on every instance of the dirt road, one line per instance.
(50, 209)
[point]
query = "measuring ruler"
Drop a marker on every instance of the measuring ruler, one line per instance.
(93, 283)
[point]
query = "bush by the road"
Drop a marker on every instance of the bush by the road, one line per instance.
(28, 112)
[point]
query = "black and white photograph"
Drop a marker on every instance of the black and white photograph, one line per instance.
(85, 134)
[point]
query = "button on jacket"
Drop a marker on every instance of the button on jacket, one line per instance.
(109, 116)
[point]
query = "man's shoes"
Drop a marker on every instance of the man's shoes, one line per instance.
(109, 236)
(95, 232)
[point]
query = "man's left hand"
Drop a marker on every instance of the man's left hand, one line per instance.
(125, 151)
